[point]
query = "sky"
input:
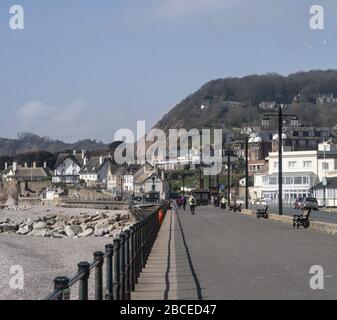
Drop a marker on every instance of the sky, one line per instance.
(84, 69)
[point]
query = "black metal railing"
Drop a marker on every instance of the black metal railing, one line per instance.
(123, 259)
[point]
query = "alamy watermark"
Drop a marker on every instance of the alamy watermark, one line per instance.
(316, 21)
(16, 281)
(198, 147)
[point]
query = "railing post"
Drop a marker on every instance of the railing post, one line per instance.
(142, 243)
(62, 284)
(83, 286)
(137, 252)
(127, 264)
(122, 266)
(116, 269)
(132, 258)
(109, 281)
(99, 256)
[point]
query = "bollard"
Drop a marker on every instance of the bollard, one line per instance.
(62, 284)
(122, 236)
(109, 281)
(116, 269)
(83, 286)
(132, 258)
(127, 264)
(99, 256)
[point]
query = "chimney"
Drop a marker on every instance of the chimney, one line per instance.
(74, 152)
(101, 160)
(83, 154)
(45, 165)
(26, 165)
(34, 164)
(85, 159)
(15, 166)
(163, 175)
(6, 165)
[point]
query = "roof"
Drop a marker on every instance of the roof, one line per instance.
(77, 158)
(93, 165)
(6, 171)
(32, 172)
(152, 175)
(142, 177)
(331, 183)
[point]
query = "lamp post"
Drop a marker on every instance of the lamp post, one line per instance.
(247, 171)
(265, 123)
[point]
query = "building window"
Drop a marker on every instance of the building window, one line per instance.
(325, 165)
(272, 180)
(307, 164)
(306, 180)
(297, 180)
(292, 164)
(275, 165)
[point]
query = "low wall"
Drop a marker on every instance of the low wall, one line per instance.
(330, 228)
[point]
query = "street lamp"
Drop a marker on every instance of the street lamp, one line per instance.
(265, 122)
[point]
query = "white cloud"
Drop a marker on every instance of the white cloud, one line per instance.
(56, 121)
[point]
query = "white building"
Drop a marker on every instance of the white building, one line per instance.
(95, 169)
(301, 170)
(300, 173)
(67, 168)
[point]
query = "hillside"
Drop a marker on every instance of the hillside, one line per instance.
(234, 102)
(28, 142)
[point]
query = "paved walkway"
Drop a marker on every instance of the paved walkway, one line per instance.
(169, 273)
(224, 255)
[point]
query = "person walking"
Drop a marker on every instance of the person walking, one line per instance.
(223, 203)
(184, 202)
(192, 203)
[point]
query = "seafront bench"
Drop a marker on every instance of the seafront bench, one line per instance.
(235, 207)
(302, 220)
(262, 213)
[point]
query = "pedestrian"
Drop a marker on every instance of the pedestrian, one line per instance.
(178, 201)
(223, 203)
(184, 203)
(193, 203)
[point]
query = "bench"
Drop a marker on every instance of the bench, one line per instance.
(302, 220)
(262, 213)
(235, 207)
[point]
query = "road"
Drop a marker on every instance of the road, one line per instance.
(235, 256)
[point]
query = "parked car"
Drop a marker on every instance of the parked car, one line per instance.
(309, 203)
(298, 203)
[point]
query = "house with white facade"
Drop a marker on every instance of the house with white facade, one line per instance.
(95, 169)
(302, 170)
(300, 174)
(67, 168)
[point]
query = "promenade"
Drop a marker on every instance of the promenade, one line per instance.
(226, 255)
